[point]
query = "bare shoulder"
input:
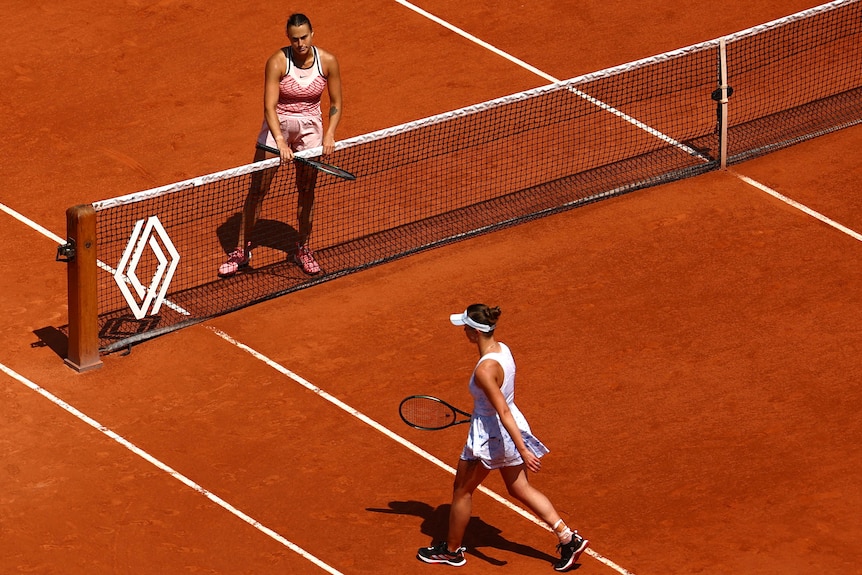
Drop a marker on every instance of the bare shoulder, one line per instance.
(328, 61)
(277, 62)
(489, 370)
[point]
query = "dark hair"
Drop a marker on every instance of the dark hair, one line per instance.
(484, 314)
(298, 20)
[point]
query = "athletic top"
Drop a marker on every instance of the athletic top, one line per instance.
(481, 404)
(300, 88)
(487, 439)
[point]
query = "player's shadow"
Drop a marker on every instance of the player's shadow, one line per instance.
(268, 233)
(479, 535)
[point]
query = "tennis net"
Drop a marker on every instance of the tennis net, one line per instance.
(477, 169)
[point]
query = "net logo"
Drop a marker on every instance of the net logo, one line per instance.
(147, 233)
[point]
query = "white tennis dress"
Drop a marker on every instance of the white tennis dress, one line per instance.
(487, 439)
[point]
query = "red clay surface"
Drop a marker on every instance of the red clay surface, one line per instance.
(689, 352)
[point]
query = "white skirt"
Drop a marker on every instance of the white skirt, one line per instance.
(489, 442)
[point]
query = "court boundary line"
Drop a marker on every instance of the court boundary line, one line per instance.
(52, 236)
(801, 207)
(31, 224)
(332, 399)
(168, 469)
(398, 439)
(308, 385)
(530, 68)
(594, 101)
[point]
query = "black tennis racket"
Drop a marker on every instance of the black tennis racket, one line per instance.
(430, 413)
(317, 164)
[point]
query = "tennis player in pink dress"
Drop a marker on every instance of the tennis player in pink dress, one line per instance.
(296, 77)
(499, 438)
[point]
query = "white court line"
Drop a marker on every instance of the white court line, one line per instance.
(397, 438)
(52, 236)
(336, 401)
(798, 206)
(365, 419)
(167, 469)
(595, 101)
(620, 114)
(30, 223)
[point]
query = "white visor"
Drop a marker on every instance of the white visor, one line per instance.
(464, 319)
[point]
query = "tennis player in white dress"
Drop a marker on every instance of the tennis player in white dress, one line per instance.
(499, 438)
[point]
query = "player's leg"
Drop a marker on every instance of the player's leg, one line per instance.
(519, 487)
(571, 544)
(260, 183)
(306, 180)
(309, 135)
(468, 477)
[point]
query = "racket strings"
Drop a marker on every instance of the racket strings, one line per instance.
(427, 412)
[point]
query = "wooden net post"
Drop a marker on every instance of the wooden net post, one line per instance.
(83, 352)
(722, 103)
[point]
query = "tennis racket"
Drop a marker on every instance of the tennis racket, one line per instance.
(317, 164)
(430, 413)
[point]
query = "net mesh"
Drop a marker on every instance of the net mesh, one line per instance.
(474, 170)
(794, 80)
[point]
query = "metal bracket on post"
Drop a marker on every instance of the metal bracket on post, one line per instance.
(66, 252)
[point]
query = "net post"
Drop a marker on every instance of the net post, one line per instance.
(83, 351)
(722, 104)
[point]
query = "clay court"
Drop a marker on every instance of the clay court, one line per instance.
(689, 352)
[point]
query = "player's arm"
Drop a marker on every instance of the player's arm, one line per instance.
(333, 82)
(275, 68)
(489, 377)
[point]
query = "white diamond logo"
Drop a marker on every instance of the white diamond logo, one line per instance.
(151, 234)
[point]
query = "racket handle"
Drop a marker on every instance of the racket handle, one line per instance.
(276, 151)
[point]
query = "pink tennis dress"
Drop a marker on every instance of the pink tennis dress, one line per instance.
(298, 106)
(487, 439)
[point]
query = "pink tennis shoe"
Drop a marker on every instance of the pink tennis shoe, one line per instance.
(305, 259)
(238, 258)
